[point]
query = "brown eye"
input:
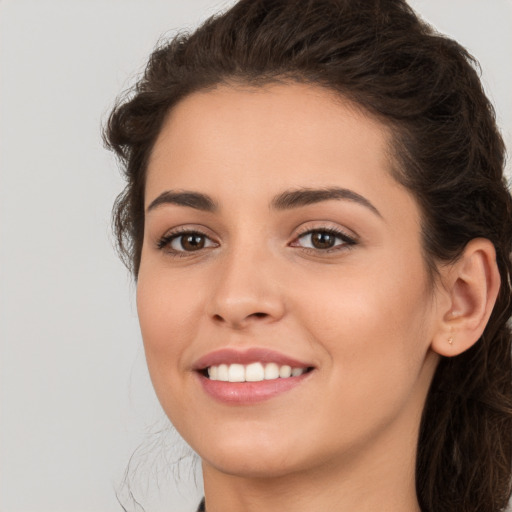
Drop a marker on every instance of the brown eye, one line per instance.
(186, 242)
(192, 242)
(322, 240)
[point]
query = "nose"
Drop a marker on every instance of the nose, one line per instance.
(246, 291)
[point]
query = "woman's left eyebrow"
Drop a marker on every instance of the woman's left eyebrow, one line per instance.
(306, 196)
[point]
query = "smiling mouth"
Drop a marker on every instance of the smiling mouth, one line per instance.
(254, 372)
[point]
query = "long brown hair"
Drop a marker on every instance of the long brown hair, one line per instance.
(447, 151)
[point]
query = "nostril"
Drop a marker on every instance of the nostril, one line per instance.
(239, 323)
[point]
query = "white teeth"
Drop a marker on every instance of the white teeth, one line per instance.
(254, 372)
(236, 373)
(213, 371)
(285, 371)
(271, 371)
(222, 372)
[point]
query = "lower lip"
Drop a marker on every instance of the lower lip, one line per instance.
(241, 393)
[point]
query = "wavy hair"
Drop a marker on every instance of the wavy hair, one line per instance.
(447, 151)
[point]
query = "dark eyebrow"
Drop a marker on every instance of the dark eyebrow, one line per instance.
(184, 198)
(303, 197)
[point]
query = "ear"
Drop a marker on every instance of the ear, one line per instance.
(469, 288)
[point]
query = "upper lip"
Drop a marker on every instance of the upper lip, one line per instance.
(247, 356)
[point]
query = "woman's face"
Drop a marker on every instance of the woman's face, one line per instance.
(276, 238)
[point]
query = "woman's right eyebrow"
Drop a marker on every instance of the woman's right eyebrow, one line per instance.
(194, 200)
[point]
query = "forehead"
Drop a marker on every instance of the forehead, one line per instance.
(237, 142)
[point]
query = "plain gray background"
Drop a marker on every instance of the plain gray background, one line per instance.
(75, 397)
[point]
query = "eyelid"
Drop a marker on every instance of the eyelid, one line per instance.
(329, 227)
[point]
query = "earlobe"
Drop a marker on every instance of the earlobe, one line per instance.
(471, 285)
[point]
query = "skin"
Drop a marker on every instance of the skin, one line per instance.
(365, 314)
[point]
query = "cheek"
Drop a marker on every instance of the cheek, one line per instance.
(373, 324)
(167, 309)
(374, 341)
(167, 312)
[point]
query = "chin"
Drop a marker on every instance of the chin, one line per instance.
(255, 464)
(250, 454)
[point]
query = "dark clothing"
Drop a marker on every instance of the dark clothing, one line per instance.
(201, 507)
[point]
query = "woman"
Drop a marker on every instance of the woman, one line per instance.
(318, 223)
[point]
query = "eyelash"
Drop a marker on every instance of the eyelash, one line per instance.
(165, 242)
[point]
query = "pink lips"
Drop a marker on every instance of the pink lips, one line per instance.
(246, 393)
